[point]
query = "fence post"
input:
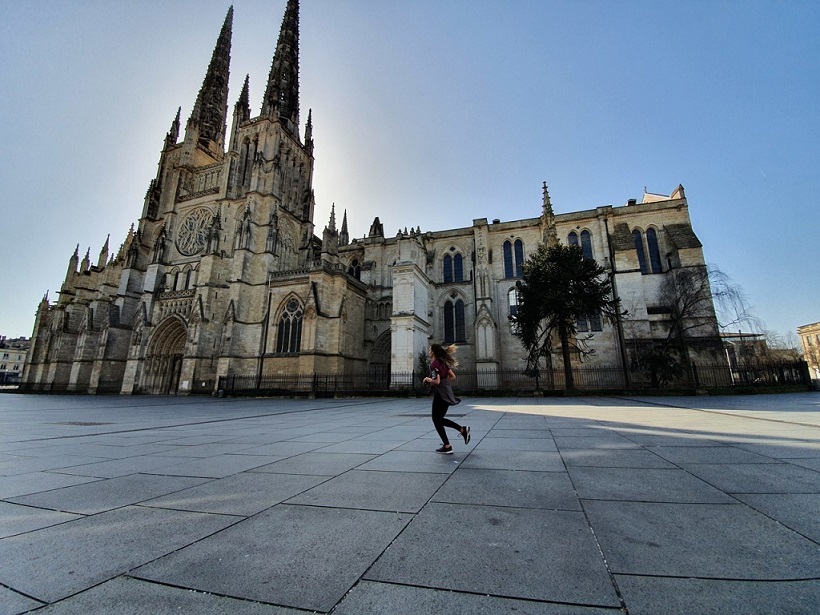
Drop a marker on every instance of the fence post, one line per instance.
(695, 376)
(803, 368)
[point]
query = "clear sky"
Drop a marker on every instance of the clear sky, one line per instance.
(432, 113)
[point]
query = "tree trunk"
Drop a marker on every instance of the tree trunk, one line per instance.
(562, 333)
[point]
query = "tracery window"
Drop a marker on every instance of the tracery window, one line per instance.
(355, 269)
(289, 335)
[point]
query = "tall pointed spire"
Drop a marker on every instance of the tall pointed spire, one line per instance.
(282, 93)
(344, 237)
(211, 108)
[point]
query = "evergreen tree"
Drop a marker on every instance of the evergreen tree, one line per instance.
(559, 286)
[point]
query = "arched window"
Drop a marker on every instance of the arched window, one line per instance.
(586, 245)
(355, 269)
(508, 260)
(519, 258)
(591, 322)
(513, 258)
(453, 268)
(454, 324)
(572, 238)
(176, 281)
(512, 300)
(638, 241)
(188, 278)
(654, 252)
(448, 268)
(289, 335)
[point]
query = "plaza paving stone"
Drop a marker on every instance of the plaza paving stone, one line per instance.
(558, 506)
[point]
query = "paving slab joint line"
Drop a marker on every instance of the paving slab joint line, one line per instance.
(609, 572)
(226, 420)
(127, 575)
(19, 593)
(729, 579)
(615, 609)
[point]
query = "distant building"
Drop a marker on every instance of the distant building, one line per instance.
(810, 339)
(12, 358)
(224, 274)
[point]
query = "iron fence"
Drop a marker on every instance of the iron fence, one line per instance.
(603, 378)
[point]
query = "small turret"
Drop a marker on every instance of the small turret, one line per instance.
(344, 237)
(103, 258)
(173, 134)
(86, 261)
(72, 264)
(330, 236)
(376, 229)
(241, 112)
(548, 219)
(309, 133)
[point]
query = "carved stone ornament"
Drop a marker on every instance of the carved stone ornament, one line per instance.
(192, 237)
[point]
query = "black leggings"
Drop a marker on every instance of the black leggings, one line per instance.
(440, 408)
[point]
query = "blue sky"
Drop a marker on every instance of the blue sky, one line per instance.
(432, 113)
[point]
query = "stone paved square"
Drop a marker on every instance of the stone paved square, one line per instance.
(577, 506)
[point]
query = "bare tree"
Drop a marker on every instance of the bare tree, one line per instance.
(781, 347)
(699, 302)
(732, 307)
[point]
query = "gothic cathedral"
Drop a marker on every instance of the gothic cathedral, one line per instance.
(224, 273)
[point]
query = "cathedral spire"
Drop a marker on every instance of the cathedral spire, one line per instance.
(282, 94)
(211, 107)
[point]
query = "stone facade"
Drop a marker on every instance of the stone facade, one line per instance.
(810, 340)
(224, 274)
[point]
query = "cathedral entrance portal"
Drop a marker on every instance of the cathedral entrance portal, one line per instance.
(163, 361)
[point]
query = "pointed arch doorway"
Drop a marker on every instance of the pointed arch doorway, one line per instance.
(163, 361)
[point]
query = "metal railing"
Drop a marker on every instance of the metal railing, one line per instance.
(604, 378)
